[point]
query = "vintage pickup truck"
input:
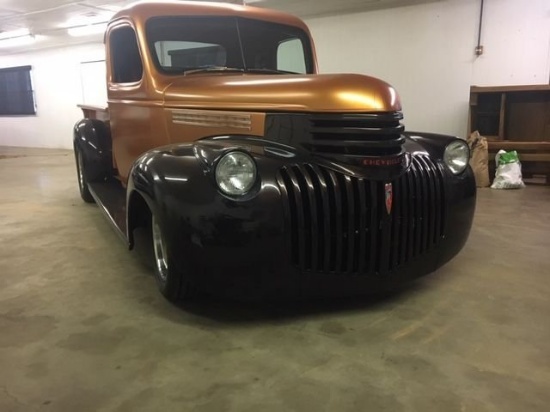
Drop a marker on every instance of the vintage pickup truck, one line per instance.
(255, 174)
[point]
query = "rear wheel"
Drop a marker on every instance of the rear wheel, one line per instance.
(81, 175)
(171, 280)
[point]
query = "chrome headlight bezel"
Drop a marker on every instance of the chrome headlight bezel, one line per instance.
(232, 181)
(457, 156)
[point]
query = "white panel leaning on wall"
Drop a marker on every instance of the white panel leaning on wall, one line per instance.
(93, 83)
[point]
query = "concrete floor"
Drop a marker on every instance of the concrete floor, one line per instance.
(82, 327)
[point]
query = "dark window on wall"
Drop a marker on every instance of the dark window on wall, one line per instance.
(16, 93)
(125, 57)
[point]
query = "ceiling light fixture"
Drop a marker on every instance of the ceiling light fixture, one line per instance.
(88, 24)
(14, 33)
(19, 37)
(87, 30)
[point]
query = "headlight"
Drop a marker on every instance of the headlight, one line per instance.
(457, 155)
(235, 173)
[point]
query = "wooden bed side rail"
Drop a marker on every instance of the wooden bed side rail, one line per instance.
(95, 112)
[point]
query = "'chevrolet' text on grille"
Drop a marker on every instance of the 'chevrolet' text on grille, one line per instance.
(382, 162)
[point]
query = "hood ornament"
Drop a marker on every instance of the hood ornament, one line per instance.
(388, 196)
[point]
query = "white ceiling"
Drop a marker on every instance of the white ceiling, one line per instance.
(309, 8)
(45, 18)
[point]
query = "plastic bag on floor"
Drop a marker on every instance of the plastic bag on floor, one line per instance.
(508, 174)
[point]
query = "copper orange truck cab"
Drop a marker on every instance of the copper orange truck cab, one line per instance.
(255, 174)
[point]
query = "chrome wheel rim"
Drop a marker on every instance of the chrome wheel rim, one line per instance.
(159, 245)
(79, 170)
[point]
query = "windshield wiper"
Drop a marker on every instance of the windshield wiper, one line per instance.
(207, 69)
(270, 71)
(211, 69)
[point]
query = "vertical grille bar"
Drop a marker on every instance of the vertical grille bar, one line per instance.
(385, 233)
(424, 209)
(440, 190)
(326, 217)
(404, 212)
(364, 206)
(313, 221)
(289, 209)
(374, 228)
(339, 238)
(432, 212)
(417, 216)
(351, 224)
(396, 225)
(300, 218)
(412, 213)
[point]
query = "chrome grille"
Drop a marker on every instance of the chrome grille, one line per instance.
(339, 223)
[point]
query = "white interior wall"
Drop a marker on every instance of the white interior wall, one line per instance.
(57, 79)
(516, 37)
(425, 51)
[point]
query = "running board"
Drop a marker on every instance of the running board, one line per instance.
(110, 197)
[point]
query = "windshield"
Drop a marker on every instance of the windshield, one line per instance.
(190, 44)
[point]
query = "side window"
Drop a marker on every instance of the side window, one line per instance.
(16, 91)
(125, 58)
(290, 56)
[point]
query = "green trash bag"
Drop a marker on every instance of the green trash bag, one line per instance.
(508, 173)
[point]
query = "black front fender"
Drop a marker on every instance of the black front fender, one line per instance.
(177, 183)
(92, 138)
(434, 144)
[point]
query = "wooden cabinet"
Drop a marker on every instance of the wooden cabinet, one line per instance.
(511, 112)
(514, 118)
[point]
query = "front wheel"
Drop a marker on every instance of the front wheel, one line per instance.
(171, 282)
(81, 175)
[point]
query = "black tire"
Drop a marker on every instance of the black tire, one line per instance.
(171, 279)
(81, 176)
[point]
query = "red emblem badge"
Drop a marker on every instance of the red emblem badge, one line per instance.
(388, 190)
